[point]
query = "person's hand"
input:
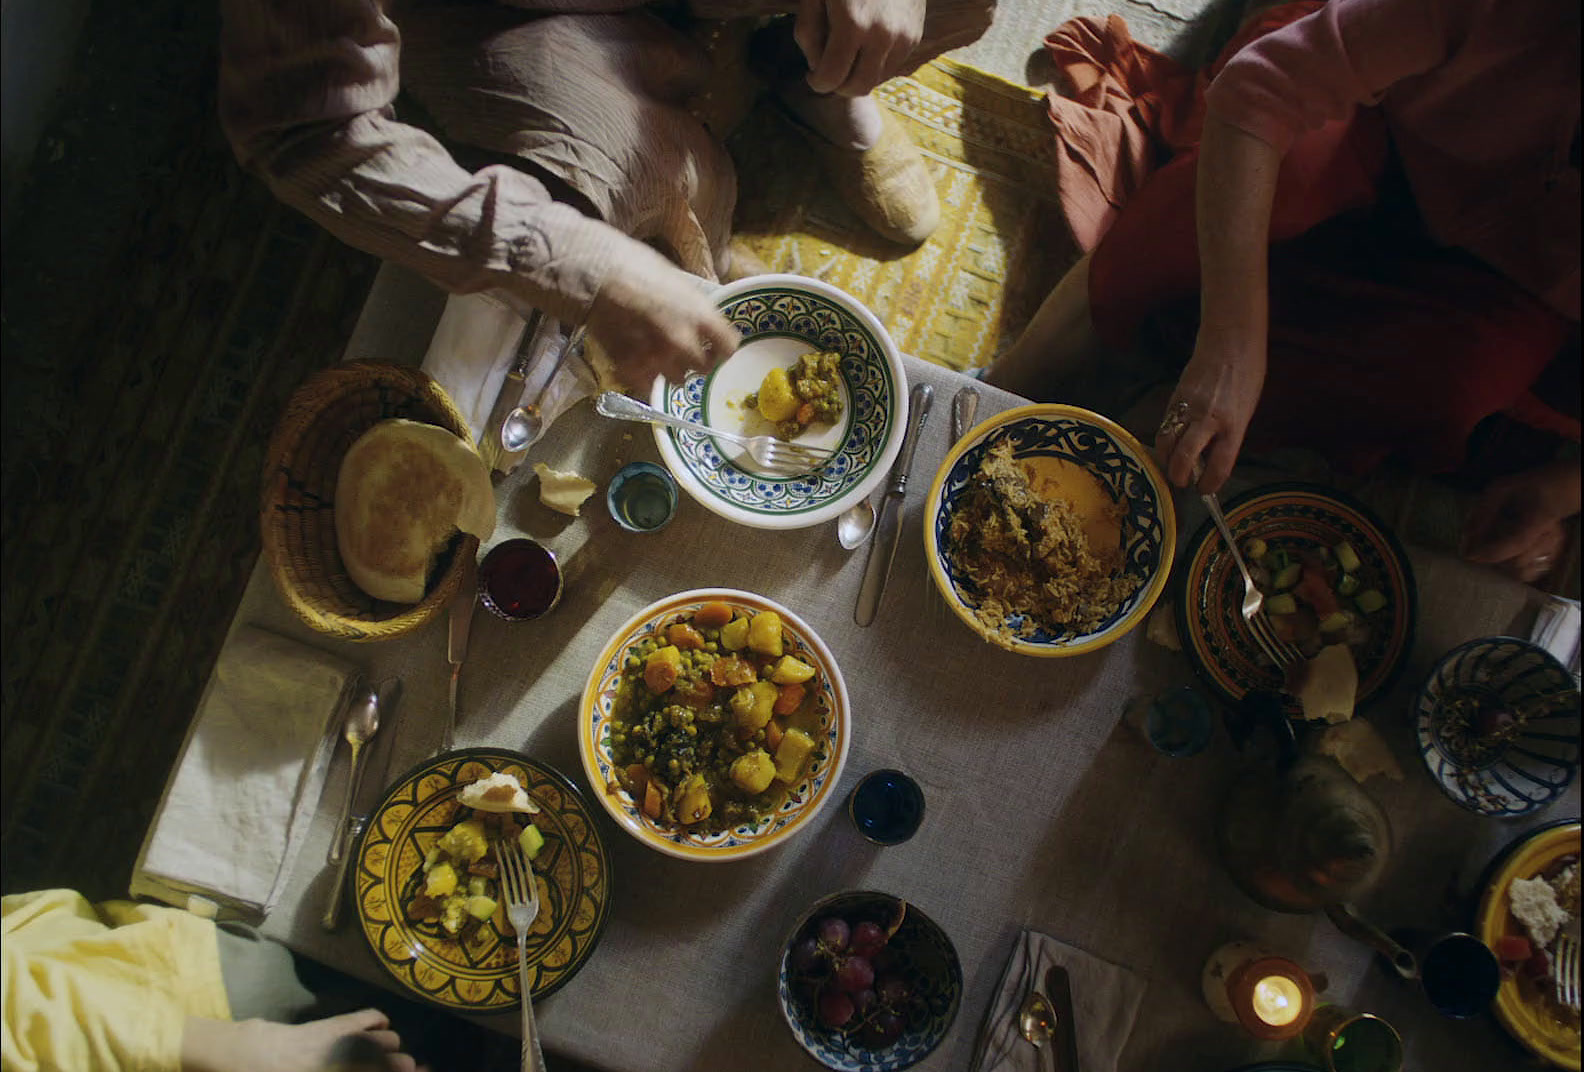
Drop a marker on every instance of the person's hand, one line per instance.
(1209, 413)
(359, 1040)
(854, 45)
(654, 319)
(1516, 524)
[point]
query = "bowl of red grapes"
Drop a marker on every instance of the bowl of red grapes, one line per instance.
(869, 983)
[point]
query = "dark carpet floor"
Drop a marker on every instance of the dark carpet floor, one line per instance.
(158, 309)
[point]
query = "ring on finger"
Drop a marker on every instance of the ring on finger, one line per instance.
(1175, 421)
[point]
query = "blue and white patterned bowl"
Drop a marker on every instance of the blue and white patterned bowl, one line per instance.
(1532, 769)
(782, 317)
(803, 801)
(922, 954)
(1124, 471)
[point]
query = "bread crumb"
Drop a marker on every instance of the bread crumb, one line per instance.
(1360, 749)
(499, 792)
(1534, 904)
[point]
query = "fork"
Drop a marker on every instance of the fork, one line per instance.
(1565, 970)
(1277, 650)
(521, 891)
(772, 454)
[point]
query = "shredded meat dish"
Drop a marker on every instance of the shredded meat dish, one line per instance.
(1028, 557)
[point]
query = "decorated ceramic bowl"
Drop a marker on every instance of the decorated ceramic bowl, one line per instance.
(823, 714)
(780, 318)
(1102, 470)
(479, 974)
(1293, 516)
(918, 955)
(1524, 1005)
(1498, 726)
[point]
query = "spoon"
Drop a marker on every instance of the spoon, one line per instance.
(521, 428)
(1035, 1019)
(362, 722)
(855, 524)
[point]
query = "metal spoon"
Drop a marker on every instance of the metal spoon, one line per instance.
(524, 425)
(855, 524)
(362, 722)
(521, 428)
(1036, 1019)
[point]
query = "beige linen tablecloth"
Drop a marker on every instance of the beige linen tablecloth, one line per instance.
(1044, 809)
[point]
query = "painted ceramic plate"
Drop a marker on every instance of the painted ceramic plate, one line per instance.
(1210, 599)
(920, 952)
(782, 317)
(1531, 769)
(1522, 1012)
(1122, 471)
(802, 802)
(573, 870)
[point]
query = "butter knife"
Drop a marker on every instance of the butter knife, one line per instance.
(1058, 988)
(888, 526)
(463, 604)
(387, 694)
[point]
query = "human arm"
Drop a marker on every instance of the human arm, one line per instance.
(854, 45)
(306, 90)
(1516, 523)
(361, 1041)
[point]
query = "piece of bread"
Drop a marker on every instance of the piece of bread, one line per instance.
(562, 491)
(499, 792)
(403, 491)
(1533, 903)
(1327, 685)
(1360, 749)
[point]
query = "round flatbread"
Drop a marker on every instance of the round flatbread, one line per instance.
(403, 491)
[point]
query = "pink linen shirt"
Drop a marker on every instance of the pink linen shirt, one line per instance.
(1482, 99)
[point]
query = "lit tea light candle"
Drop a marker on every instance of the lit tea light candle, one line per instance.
(1270, 997)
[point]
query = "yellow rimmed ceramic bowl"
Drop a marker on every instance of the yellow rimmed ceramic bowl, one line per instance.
(829, 725)
(1097, 463)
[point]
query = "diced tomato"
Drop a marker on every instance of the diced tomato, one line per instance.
(1315, 590)
(1514, 948)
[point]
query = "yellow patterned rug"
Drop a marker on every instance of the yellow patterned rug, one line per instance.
(967, 292)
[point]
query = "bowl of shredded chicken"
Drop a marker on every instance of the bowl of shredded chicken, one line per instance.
(1050, 530)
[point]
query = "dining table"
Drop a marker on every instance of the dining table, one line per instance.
(1045, 807)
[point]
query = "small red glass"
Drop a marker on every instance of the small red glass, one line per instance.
(519, 580)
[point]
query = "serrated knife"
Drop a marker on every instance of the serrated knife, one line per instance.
(888, 526)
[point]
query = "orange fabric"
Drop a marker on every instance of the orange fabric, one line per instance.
(1126, 110)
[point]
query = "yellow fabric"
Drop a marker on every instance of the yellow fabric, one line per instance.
(103, 987)
(966, 293)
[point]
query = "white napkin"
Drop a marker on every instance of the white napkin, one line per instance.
(1556, 629)
(473, 347)
(249, 777)
(1105, 998)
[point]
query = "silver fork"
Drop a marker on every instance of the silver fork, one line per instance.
(1277, 650)
(521, 891)
(768, 452)
(1565, 971)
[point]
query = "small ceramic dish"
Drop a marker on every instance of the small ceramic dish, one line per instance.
(826, 709)
(1292, 515)
(782, 317)
(480, 975)
(1519, 1006)
(1498, 726)
(919, 955)
(1120, 472)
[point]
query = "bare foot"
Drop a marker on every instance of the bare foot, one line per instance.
(358, 1041)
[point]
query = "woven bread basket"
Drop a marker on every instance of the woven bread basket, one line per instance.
(324, 418)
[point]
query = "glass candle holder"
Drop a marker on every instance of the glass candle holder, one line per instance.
(1346, 1040)
(1269, 996)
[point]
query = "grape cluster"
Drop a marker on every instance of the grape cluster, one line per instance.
(844, 970)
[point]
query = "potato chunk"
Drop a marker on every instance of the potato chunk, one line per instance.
(791, 671)
(441, 881)
(754, 704)
(777, 400)
(464, 841)
(662, 668)
(792, 754)
(764, 633)
(734, 634)
(753, 771)
(693, 801)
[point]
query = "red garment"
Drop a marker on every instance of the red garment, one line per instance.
(1367, 311)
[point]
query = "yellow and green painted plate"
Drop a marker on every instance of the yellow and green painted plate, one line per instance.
(479, 976)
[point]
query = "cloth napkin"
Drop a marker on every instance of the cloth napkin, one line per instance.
(249, 778)
(1105, 998)
(474, 345)
(1556, 629)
